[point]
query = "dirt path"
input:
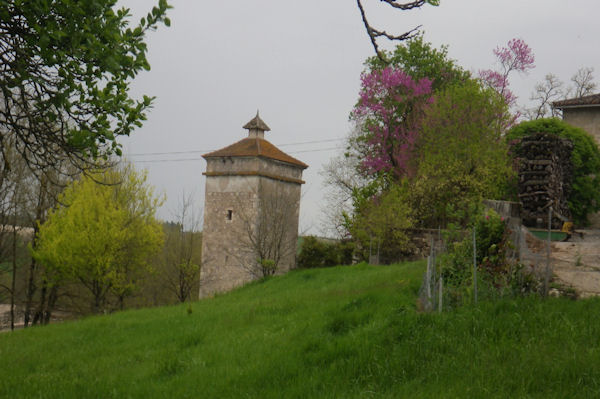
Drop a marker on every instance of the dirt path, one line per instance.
(577, 262)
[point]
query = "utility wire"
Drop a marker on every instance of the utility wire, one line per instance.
(310, 142)
(200, 159)
(205, 151)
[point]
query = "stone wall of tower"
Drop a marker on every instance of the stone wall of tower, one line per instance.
(243, 165)
(235, 204)
(285, 198)
(227, 198)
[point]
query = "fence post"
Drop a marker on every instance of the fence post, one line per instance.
(428, 302)
(441, 293)
(432, 254)
(547, 276)
(474, 265)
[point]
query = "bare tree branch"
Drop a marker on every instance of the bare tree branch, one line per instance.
(182, 255)
(340, 181)
(583, 82)
(267, 234)
(375, 33)
(545, 94)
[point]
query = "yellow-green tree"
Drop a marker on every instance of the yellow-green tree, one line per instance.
(462, 156)
(102, 235)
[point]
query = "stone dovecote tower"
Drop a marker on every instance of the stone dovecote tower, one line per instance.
(251, 212)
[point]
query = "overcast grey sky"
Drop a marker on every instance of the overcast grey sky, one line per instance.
(299, 62)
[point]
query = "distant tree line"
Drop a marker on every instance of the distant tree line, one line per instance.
(67, 68)
(99, 248)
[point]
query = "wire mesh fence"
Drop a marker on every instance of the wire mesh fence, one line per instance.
(525, 267)
(431, 293)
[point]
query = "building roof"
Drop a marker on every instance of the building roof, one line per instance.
(255, 147)
(257, 123)
(587, 101)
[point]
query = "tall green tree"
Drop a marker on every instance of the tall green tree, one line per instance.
(462, 155)
(102, 235)
(67, 66)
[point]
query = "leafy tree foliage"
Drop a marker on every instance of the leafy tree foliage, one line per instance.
(380, 223)
(102, 235)
(420, 60)
(585, 193)
(462, 157)
(66, 69)
(392, 100)
(431, 145)
(495, 275)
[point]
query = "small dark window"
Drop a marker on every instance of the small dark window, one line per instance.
(229, 214)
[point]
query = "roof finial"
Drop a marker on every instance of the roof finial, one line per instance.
(257, 124)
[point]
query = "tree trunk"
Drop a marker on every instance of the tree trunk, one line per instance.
(38, 316)
(13, 283)
(52, 298)
(31, 289)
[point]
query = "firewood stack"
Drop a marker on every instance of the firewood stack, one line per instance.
(545, 175)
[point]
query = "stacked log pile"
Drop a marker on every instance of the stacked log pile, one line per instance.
(545, 176)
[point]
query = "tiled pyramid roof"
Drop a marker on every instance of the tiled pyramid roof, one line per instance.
(255, 147)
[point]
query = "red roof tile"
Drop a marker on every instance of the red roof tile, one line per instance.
(255, 147)
(592, 100)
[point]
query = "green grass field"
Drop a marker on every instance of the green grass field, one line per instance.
(344, 332)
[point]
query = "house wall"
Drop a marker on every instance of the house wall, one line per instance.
(587, 118)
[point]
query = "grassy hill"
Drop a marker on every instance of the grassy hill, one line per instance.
(342, 332)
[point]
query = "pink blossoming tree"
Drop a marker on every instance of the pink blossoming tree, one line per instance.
(516, 56)
(390, 107)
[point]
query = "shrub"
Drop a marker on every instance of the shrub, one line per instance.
(496, 274)
(382, 216)
(315, 252)
(585, 194)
